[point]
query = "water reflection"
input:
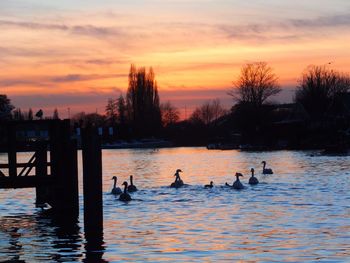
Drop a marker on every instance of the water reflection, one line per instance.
(301, 213)
(94, 247)
(40, 237)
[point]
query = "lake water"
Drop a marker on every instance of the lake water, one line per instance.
(299, 214)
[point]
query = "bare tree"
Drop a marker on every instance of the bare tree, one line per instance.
(88, 119)
(170, 114)
(320, 87)
(255, 85)
(209, 112)
(111, 111)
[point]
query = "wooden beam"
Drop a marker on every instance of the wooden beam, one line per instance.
(20, 165)
(25, 182)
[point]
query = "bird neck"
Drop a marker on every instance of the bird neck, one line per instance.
(252, 174)
(264, 165)
(125, 188)
(115, 182)
(131, 183)
(237, 178)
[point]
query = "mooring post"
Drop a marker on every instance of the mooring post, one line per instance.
(42, 192)
(11, 149)
(64, 168)
(92, 183)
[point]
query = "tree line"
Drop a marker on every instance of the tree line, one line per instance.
(139, 113)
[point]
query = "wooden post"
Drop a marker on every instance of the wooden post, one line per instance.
(12, 154)
(42, 192)
(64, 168)
(92, 181)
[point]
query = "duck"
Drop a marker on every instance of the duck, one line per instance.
(266, 170)
(178, 182)
(115, 190)
(209, 185)
(253, 180)
(125, 195)
(131, 187)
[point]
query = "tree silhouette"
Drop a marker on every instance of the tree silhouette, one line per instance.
(319, 88)
(30, 114)
(89, 119)
(111, 111)
(5, 108)
(55, 115)
(18, 115)
(208, 113)
(255, 85)
(121, 108)
(143, 101)
(170, 114)
(39, 114)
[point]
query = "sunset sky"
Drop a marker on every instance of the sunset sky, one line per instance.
(77, 54)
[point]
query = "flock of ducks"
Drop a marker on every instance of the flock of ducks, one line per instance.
(125, 196)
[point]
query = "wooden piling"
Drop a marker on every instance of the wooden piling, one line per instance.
(64, 168)
(92, 181)
(11, 150)
(42, 192)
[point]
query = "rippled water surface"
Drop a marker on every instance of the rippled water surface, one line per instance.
(301, 213)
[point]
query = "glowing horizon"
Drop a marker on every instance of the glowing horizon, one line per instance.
(77, 55)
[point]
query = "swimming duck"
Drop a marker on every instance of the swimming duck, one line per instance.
(266, 170)
(178, 182)
(253, 180)
(209, 185)
(115, 190)
(237, 184)
(131, 187)
(125, 195)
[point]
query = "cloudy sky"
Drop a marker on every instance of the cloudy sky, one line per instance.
(77, 53)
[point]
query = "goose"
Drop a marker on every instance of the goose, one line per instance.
(266, 170)
(178, 182)
(132, 187)
(253, 180)
(209, 185)
(237, 184)
(125, 195)
(115, 190)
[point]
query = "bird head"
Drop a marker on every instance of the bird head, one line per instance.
(114, 178)
(179, 171)
(263, 162)
(252, 170)
(239, 174)
(125, 183)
